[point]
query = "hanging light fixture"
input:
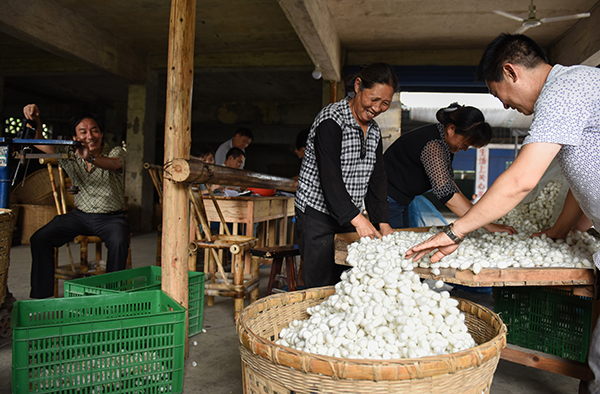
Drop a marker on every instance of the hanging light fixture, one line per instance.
(317, 74)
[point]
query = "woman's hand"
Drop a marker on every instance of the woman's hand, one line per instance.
(439, 241)
(364, 228)
(499, 228)
(385, 229)
(551, 232)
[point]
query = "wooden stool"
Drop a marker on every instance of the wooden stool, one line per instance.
(278, 253)
(66, 272)
(217, 280)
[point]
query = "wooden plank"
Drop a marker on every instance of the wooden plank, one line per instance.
(235, 208)
(513, 276)
(546, 362)
(234, 211)
(195, 171)
(487, 277)
(54, 28)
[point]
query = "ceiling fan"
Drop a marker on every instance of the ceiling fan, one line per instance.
(532, 21)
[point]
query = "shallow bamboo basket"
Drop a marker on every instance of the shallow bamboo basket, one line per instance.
(274, 369)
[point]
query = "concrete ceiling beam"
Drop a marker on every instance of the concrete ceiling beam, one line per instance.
(56, 29)
(580, 44)
(315, 27)
(413, 57)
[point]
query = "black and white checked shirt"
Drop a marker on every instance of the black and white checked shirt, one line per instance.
(341, 167)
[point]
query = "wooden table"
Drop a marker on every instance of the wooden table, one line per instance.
(271, 213)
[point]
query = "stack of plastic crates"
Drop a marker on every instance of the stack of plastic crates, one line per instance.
(549, 320)
(141, 279)
(127, 343)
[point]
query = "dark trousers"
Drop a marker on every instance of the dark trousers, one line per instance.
(113, 230)
(399, 217)
(315, 240)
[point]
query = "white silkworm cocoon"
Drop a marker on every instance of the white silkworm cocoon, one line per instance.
(377, 315)
(397, 315)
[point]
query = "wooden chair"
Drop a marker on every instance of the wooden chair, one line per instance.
(243, 279)
(156, 174)
(82, 269)
(278, 254)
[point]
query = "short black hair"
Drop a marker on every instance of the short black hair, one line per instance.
(509, 48)
(245, 132)
(301, 139)
(203, 150)
(75, 120)
(468, 121)
(235, 153)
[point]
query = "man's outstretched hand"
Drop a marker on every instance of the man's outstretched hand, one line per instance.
(439, 241)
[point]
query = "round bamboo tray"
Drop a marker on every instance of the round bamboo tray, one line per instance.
(274, 369)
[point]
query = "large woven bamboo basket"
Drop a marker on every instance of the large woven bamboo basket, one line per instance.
(7, 225)
(273, 369)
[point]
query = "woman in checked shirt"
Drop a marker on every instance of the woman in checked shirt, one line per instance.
(342, 167)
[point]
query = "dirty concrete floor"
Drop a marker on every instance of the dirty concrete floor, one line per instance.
(214, 365)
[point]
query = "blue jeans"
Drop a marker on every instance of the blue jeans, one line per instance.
(398, 214)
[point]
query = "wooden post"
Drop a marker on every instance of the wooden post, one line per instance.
(332, 91)
(175, 222)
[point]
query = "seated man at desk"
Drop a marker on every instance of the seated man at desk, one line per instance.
(235, 158)
(242, 138)
(98, 172)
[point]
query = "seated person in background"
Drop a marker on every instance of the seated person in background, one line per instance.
(242, 138)
(205, 154)
(235, 158)
(98, 171)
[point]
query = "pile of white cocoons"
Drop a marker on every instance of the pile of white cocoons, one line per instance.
(381, 310)
(482, 250)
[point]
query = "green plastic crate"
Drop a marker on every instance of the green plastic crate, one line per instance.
(545, 319)
(141, 279)
(128, 343)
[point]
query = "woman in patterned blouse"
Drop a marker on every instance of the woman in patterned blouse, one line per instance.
(422, 160)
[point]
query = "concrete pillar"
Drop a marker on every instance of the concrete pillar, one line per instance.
(141, 139)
